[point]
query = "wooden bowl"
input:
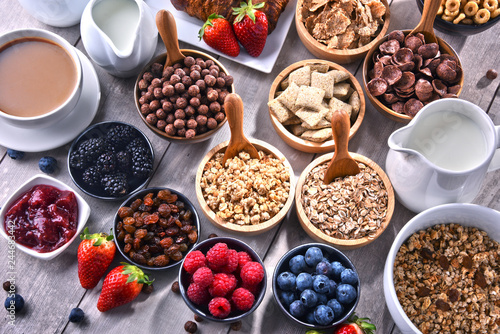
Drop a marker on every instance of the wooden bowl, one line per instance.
(317, 234)
(181, 140)
(347, 56)
(368, 65)
(307, 145)
(244, 229)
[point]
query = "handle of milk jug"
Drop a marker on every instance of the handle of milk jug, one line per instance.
(495, 162)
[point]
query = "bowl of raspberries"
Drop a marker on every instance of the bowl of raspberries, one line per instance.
(316, 286)
(111, 160)
(222, 280)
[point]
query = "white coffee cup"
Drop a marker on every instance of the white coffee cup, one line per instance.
(443, 154)
(60, 112)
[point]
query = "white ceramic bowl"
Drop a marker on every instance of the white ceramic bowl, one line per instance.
(481, 217)
(83, 213)
(57, 114)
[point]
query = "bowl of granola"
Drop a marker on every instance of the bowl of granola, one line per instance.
(340, 31)
(351, 211)
(303, 97)
(442, 271)
(248, 196)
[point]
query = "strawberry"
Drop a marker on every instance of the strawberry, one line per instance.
(218, 34)
(95, 253)
(356, 325)
(122, 285)
(250, 27)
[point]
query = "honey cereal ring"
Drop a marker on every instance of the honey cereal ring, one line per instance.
(440, 10)
(459, 18)
(467, 21)
(495, 13)
(490, 5)
(454, 14)
(471, 8)
(482, 16)
(452, 5)
(448, 18)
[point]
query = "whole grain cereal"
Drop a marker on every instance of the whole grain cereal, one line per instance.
(350, 207)
(246, 191)
(447, 280)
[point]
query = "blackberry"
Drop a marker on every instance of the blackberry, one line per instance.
(123, 161)
(136, 143)
(142, 164)
(92, 176)
(120, 135)
(115, 184)
(88, 151)
(106, 163)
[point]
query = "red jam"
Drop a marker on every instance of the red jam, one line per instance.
(44, 218)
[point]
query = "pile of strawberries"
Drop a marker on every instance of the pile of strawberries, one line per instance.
(249, 28)
(224, 280)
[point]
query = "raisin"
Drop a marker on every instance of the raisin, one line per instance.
(166, 242)
(151, 219)
(148, 201)
(172, 231)
(161, 261)
(148, 195)
(149, 236)
(163, 222)
(453, 295)
(121, 236)
(137, 244)
(187, 215)
(443, 262)
(129, 221)
(426, 253)
(154, 249)
(193, 236)
(164, 210)
(180, 205)
(139, 258)
(140, 233)
(177, 256)
(129, 228)
(127, 248)
(135, 204)
(480, 280)
(183, 247)
(423, 292)
(442, 305)
(467, 262)
(128, 239)
(125, 211)
(163, 194)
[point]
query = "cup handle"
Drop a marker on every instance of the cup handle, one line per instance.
(495, 162)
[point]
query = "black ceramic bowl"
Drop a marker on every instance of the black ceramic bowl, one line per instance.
(100, 130)
(120, 244)
(332, 254)
(202, 311)
(459, 29)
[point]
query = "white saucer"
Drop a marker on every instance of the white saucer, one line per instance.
(37, 140)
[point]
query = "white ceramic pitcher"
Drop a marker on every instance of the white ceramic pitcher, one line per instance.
(119, 35)
(443, 154)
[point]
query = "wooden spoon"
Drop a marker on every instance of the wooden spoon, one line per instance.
(425, 26)
(233, 105)
(165, 22)
(341, 164)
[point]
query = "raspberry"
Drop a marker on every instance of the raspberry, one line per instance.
(254, 289)
(218, 255)
(203, 277)
(197, 294)
(219, 307)
(252, 273)
(243, 258)
(193, 261)
(243, 299)
(222, 285)
(232, 263)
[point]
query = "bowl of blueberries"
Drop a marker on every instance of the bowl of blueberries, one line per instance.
(316, 286)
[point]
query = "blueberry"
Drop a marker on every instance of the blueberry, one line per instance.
(324, 268)
(297, 264)
(47, 165)
(348, 276)
(322, 299)
(332, 291)
(16, 155)
(337, 308)
(337, 269)
(287, 297)
(14, 302)
(304, 281)
(297, 309)
(310, 319)
(321, 284)
(313, 256)
(323, 315)
(346, 293)
(76, 315)
(309, 298)
(286, 281)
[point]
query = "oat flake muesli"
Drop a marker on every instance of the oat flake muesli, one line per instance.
(447, 280)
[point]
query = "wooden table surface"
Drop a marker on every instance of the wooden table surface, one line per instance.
(51, 288)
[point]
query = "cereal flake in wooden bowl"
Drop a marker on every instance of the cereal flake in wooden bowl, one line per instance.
(357, 115)
(359, 194)
(303, 17)
(265, 224)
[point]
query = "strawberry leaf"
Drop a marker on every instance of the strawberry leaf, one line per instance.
(209, 23)
(246, 9)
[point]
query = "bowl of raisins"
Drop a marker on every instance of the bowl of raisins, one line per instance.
(155, 228)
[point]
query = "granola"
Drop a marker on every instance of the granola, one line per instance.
(352, 207)
(246, 191)
(446, 279)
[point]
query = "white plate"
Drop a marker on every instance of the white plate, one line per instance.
(37, 140)
(188, 27)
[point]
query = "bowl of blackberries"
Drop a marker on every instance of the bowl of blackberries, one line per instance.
(316, 286)
(111, 160)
